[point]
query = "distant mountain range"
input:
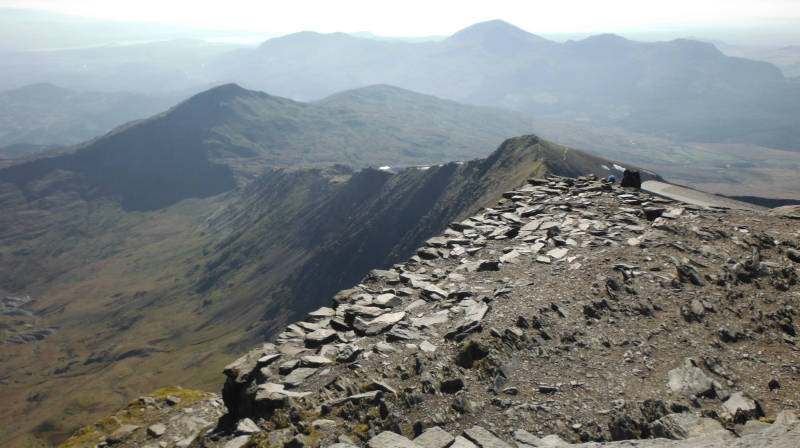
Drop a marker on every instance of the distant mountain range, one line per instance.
(683, 90)
(43, 114)
(213, 141)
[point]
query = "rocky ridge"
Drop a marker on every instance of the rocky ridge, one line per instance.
(572, 312)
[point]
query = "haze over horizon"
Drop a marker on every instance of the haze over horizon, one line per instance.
(742, 22)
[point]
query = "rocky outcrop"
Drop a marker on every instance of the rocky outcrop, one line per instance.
(564, 315)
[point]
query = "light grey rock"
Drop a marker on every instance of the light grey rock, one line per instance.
(319, 337)
(435, 318)
(121, 433)
(297, 376)
(554, 440)
(524, 439)
(315, 361)
(237, 442)
(483, 438)
(349, 353)
(384, 348)
(684, 426)
(243, 366)
(690, 380)
(747, 408)
(461, 442)
(403, 331)
(379, 324)
(337, 402)
(435, 437)
(156, 430)
(246, 426)
(751, 427)
(510, 257)
(320, 314)
(558, 253)
(388, 300)
(268, 359)
(388, 439)
(342, 445)
(426, 346)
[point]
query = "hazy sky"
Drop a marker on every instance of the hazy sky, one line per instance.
(433, 17)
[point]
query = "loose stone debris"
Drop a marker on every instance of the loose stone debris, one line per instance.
(573, 312)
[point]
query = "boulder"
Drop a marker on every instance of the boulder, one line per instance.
(741, 408)
(690, 380)
(684, 426)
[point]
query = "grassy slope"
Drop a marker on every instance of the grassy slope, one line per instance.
(149, 299)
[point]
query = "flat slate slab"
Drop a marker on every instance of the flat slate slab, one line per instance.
(389, 439)
(297, 376)
(483, 438)
(435, 437)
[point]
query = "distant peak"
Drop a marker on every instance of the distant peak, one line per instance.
(494, 31)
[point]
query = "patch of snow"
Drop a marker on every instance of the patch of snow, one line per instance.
(606, 168)
(459, 163)
(619, 168)
(423, 168)
(385, 168)
(649, 172)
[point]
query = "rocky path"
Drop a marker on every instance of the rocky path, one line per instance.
(572, 312)
(696, 197)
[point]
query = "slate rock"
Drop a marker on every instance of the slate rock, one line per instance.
(433, 319)
(388, 439)
(357, 398)
(524, 439)
(121, 433)
(246, 426)
(156, 430)
(349, 353)
(320, 337)
(461, 442)
(403, 332)
(314, 361)
(298, 376)
(483, 438)
(434, 437)
(237, 442)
